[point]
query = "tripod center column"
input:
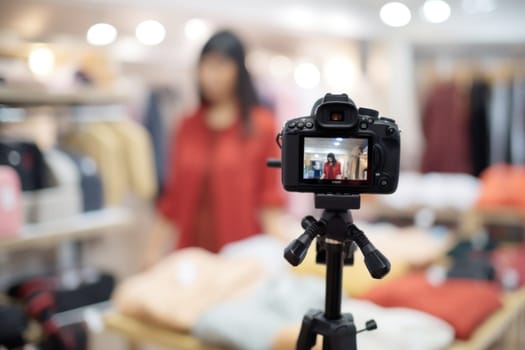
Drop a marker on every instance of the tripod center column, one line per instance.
(334, 278)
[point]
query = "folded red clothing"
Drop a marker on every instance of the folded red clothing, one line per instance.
(463, 303)
(502, 187)
(510, 265)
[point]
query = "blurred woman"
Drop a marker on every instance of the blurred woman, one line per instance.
(218, 188)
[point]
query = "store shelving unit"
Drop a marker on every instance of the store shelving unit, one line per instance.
(91, 313)
(76, 227)
(40, 97)
(66, 236)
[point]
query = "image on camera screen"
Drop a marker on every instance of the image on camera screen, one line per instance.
(330, 159)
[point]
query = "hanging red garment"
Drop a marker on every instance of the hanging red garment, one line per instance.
(218, 181)
(446, 131)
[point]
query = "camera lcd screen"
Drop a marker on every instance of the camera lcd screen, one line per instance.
(335, 160)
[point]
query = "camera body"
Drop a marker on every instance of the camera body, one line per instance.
(340, 149)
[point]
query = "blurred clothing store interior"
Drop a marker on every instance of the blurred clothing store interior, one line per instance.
(137, 210)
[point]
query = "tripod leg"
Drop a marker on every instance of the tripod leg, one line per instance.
(307, 336)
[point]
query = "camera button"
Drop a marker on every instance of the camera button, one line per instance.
(300, 125)
(363, 125)
(309, 125)
(390, 131)
(292, 125)
(383, 182)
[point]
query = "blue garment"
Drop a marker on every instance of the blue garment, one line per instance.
(517, 132)
(500, 119)
(154, 125)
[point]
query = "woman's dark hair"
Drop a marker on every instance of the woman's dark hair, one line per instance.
(228, 44)
(331, 155)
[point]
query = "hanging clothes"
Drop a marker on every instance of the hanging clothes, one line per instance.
(499, 121)
(153, 123)
(517, 132)
(446, 131)
(479, 126)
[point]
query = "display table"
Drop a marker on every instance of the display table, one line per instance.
(502, 331)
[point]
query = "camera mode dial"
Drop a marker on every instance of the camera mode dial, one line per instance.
(369, 112)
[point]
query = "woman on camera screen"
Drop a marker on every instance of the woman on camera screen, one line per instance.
(218, 187)
(332, 168)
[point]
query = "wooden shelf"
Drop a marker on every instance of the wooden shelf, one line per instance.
(75, 227)
(41, 97)
(503, 216)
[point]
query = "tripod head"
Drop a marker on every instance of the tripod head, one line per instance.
(336, 225)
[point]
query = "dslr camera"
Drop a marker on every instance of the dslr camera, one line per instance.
(340, 149)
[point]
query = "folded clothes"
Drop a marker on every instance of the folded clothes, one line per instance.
(253, 322)
(180, 289)
(463, 303)
(395, 243)
(264, 248)
(502, 187)
(356, 278)
(398, 329)
(509, 263)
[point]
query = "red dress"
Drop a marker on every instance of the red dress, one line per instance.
(218, 182)
(332, 171)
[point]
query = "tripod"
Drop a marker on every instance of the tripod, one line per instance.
(337, 237)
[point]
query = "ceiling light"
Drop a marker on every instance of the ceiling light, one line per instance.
(150, 33)
(41, 61)
(395, 14)
(307, 75)
(436, 11)
(101, 34)
(197, 29)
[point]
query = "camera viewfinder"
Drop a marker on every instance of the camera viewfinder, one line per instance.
(336, 116)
